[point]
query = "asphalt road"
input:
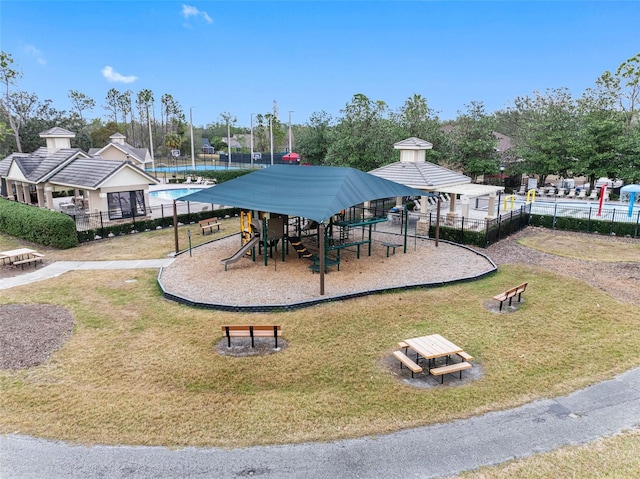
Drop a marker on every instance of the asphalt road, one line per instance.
(435, 451)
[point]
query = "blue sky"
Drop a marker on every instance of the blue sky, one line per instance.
(240, 56)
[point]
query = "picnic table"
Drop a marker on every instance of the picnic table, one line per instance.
(435, 346)
(15, 255)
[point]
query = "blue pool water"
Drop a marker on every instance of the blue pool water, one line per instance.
(172, 194)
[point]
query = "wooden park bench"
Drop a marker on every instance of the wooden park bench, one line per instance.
(209, 224)
(391, 246)
(34, 258)
(406, 361)
(449, 369)
(510, 294)
(258, 331)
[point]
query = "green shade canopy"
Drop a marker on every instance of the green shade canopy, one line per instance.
(314, 192)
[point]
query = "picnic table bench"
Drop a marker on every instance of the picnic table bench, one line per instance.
(209, 224)
(408, 362)
(33, 258)
(392, 246)
(252, 331)
(510, 294)
(449, 369)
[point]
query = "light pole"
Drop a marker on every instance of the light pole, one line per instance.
(193, 155)
(271, 136)
(251, 140)
(228, 145)
(290, 150)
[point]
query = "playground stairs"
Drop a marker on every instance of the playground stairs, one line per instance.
(302, 251)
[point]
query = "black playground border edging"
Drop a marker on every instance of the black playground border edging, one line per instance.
(267, 308)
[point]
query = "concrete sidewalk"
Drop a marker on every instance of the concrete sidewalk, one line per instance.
(427, 452)
(60, 267)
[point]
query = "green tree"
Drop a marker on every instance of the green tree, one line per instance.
(314, 138)
(547, 137)
(418, 120)
(473, 144)
(229, 120)
(364, 136)
(8, 77)
(608, 124)
(112, 104)
(80, 103)
(145, 104)
(100, 133)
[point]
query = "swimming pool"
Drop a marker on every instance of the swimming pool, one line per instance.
(172, 194)
(610, 211)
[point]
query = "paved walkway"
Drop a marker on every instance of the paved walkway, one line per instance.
(427, 452)
(60, 267)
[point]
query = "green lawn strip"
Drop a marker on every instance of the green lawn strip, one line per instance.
(143, 370)
(594, 248)
(146, 245)
(613, 457)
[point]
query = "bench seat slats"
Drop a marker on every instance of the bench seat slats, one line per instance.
(208, 224)
(252, 331)
(408, 362)
(449, 369)
(510, 294)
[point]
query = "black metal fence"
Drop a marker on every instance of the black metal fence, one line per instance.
(99, 225)
(470, 231)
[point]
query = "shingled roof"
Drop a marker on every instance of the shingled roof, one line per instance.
(40, 164)
(421, 175)
(91, 173)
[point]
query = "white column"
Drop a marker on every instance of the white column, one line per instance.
(26, 197)
(48, 196)
(464, 201)
(491, 209)
(10, 185)
(40, 193)
(452, 213)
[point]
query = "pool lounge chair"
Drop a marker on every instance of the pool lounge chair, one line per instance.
(582, 194)
(594, 194)
(572, 193)
(560, 193)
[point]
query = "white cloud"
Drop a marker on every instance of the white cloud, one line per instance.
(37, 54)
(113, 76)
(191, 11)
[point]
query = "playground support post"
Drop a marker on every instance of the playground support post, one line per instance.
(175, 226)
(321, 232)
(438, 221)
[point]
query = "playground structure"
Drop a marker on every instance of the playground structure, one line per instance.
(268, 231)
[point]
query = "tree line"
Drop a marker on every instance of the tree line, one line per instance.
(552, 133)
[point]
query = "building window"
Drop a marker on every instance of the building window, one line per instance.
(126, 204)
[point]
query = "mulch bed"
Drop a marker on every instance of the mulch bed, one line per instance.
(29, 333)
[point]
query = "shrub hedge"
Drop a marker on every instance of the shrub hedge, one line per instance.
(38, 225)
(585, 225)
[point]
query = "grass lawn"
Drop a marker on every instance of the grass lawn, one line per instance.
(143, 370)
(616, 457)
(149, 245)
(596, 249)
